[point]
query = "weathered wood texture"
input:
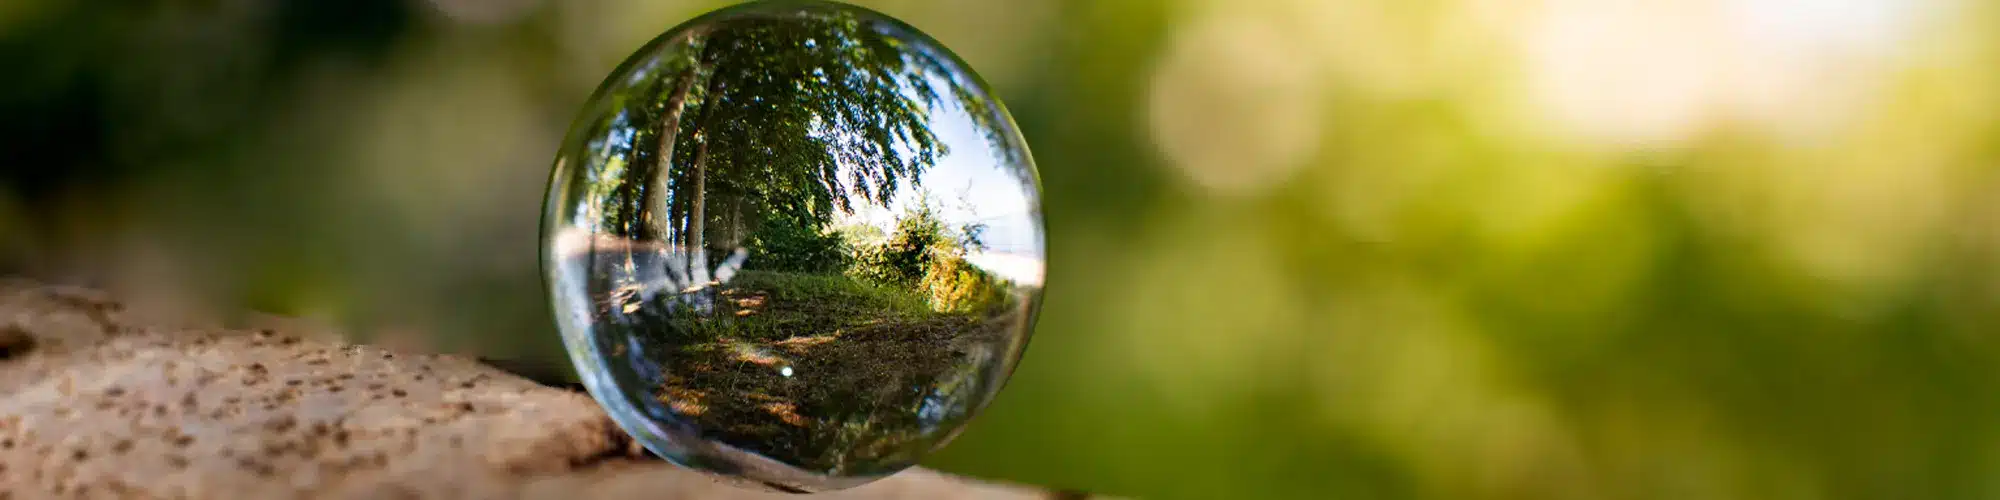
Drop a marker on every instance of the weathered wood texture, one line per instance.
(105, 401)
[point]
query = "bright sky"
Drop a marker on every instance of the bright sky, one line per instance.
(970, 184)
(967, 184)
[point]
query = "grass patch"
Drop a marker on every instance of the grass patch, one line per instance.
(772, 306)
(803, 293)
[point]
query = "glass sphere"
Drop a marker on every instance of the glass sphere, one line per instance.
(796, 243)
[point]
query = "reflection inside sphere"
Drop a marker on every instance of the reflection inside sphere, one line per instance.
(795, 243)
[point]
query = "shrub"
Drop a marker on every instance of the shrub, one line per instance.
(786, 245)
(925, 254)
(905, 257)
(953, 285)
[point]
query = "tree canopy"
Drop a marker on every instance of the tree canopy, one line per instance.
(797, 117)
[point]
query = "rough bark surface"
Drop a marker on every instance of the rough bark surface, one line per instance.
(106, 401)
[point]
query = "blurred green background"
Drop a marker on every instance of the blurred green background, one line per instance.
(1534, 249)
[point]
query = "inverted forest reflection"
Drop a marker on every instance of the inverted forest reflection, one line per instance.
(777, 230)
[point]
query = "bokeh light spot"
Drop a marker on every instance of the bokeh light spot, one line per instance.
(1235, 107)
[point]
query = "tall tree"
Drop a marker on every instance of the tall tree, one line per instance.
(801, 116)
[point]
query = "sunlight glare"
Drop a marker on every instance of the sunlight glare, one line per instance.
(1650, 74)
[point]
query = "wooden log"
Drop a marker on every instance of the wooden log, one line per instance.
(106, 401)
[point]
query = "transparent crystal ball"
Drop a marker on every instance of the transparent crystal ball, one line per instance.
(795, 243)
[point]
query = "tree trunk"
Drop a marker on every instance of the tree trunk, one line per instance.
(697, 213)
(105, 400)
(698, 217)
(653, 205)
(736, 223)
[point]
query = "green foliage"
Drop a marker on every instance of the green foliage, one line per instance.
(925, 254)
(760, 131)
(788, 245)
(905, 257)
(860, 235)
(953, 285)
(1437, 302)
(805, 116)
